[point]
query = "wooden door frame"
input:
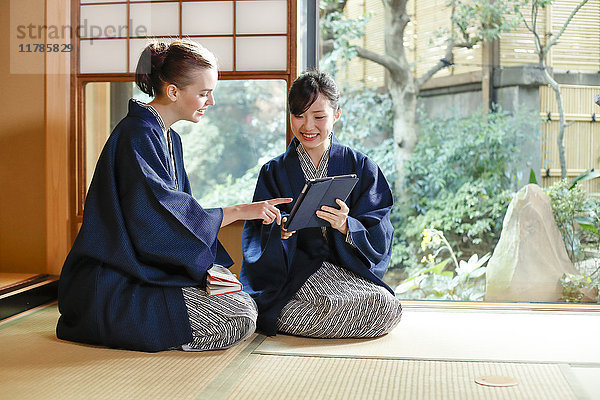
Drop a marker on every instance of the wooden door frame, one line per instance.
(58, 119)
(65, 133)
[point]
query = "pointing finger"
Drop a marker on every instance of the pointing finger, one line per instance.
(280, 200)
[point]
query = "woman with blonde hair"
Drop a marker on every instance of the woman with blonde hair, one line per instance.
(136, 274)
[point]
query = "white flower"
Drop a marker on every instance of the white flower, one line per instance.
(470, 267)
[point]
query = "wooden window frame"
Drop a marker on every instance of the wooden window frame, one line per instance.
(65, 145)
(79, 80)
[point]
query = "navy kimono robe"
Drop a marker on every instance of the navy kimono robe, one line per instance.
(274, 269)
(141, 241)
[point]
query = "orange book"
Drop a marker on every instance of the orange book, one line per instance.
(221, 281)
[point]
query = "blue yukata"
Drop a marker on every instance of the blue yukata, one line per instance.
(142, 240)
(319, 282)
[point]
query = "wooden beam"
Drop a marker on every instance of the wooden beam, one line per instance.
(453, 80)
(57, 125)
(489, 61)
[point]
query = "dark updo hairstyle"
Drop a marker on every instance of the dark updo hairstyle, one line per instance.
(164, 63)
(307, 87)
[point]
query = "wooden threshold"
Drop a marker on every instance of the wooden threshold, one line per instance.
(501, 306)
(33, 291)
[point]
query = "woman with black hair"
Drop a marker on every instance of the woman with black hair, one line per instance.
(322, 282)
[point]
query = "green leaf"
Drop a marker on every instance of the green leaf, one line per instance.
(532, 178)
(587, 224)
(584, 176)
(407, 286)
(438, 268)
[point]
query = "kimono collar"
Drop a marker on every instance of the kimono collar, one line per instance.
(337, 156)
(295, 176)
(136, 105)
(136, 109)
(310, 170)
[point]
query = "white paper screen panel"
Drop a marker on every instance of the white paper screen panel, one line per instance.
(207, 18)
(135, 50)
(261, 17)
(103, 56)
(245, 35)
(261, 53)
(159, 19)
(100, 1)
(101, 21)
(222, 48)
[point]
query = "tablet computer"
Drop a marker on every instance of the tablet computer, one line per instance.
(315, 194)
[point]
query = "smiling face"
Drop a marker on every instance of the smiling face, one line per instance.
(193, 100)
(312, 128)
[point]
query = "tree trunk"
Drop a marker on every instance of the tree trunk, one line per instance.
(404, 99)
(560, 141)
(542, 52)
(402, 84)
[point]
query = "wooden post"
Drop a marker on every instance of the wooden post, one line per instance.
(489, 60)
(57, 127)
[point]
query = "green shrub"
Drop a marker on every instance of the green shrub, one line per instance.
(460, 181)
(441, 276)
(577, 216)
(568, 203)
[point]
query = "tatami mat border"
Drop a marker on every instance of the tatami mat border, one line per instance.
(232, 372)
(380, 357)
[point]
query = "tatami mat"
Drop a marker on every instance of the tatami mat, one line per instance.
(290, 377)
(523, 336)
(36, 365)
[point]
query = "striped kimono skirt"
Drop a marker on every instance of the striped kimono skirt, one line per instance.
(335, 302)
(218, 322)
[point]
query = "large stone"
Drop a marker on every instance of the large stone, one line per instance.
(530, 257)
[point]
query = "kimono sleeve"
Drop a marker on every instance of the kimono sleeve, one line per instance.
(265, 254)
(168, 229)
(369, 223)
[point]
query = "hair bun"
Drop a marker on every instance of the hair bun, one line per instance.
(174, 62)
(149, 68)
(158, 52)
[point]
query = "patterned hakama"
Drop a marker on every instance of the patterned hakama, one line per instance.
(335, 302)
(219, 321)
